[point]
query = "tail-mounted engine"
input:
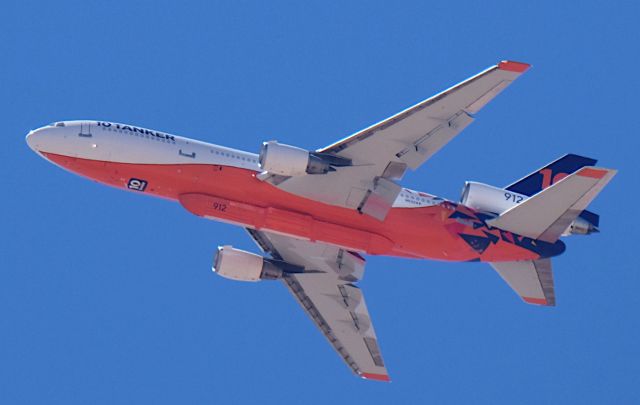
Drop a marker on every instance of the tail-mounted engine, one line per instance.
(581, 226)
(485, 198)
(494, 200)
(240, 265)
(286, 160)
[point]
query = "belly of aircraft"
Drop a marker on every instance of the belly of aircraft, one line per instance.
(445, 231)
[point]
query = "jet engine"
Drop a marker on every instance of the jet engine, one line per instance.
(287, 160)
(581, 226)
(485, 198)
(489, 199)
(240, 265)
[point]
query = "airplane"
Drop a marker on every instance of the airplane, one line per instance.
(314, 214)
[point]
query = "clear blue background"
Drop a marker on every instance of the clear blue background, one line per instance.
(107, 296)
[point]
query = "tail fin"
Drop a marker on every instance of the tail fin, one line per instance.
(551, 174)
(547, 214)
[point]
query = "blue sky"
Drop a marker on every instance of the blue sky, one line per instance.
(107, 296)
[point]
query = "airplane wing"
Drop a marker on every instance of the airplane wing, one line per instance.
(532, 280)
(329, 297)
(406, 140)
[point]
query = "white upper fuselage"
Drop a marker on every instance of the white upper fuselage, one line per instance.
(121, 143)
(113, 142)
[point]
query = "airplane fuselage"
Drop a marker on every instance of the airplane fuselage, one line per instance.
(221, 183)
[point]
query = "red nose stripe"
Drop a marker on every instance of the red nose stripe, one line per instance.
(513, 66)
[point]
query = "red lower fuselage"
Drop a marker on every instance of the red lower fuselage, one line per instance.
(232, 194)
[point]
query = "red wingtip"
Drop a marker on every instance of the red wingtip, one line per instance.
(589, 172)
(537, 301)
(512, 66)
(377, 377)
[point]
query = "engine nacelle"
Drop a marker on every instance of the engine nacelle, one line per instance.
(486, 198)
(240, 265)
(282, 159)
(287, 160)
(580, 226)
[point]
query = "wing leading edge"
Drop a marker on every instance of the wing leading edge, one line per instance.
(405, 140)
(330, 298)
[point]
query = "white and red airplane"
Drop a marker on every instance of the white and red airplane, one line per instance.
(315, 213)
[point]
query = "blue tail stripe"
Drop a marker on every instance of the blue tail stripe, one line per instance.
(533, 183)
(591, 217)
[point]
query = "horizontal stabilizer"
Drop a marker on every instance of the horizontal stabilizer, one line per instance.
(532, 280)
(547, 215)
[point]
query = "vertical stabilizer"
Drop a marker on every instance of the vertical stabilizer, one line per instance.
(552, 173)
(547, 215)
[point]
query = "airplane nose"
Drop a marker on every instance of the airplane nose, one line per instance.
(45, 139)
(34, 138)
(62, 138)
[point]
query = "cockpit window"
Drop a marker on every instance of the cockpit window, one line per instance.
(57, 124)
